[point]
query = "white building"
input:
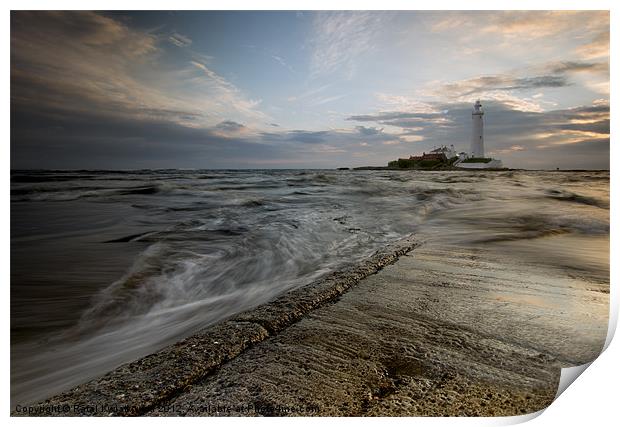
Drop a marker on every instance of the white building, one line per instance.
(477, 145)
(477, 141)
(449, 152)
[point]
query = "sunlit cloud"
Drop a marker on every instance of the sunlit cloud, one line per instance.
(517, 25)
(598, 48)
(412, 138)
(179, 40)
(222, 96)
(563, 137)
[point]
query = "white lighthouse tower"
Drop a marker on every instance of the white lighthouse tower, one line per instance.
(475, 159)
(477, 141)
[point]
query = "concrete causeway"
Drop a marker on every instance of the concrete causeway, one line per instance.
(442, 330)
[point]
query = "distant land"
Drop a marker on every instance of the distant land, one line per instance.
(442, 158)
(441, 168)
(372, 168)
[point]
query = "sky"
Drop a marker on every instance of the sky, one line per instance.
(269, 89)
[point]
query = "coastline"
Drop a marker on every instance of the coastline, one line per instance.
(139, 386)
(451, 168)
(440, 332)
(445, 329)
(453, 327)
(439, 169)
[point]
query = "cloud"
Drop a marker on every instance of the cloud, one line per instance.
(327, 99)
(518, 136)
(536, 24)
(90, 90)
(520, 139)
(401, 119)
(309, 93)
(312, 97)
(579, 66)
(510, 149)
(229, 126)
(340, 138)
(521, 25)
(597, 48)
(282, 62)
(307, 137)
(226, 97)
(80, 31)
(368, 130)
(508, 88)
(499, 82)
(340, 38)
(179, 40)
(71, 62)
(86, 141)
(578, 35)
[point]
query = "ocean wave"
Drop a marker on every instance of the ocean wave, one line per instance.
(569, 196)
(209, 244)
(149, 189)
(533, 226)
(62, 194)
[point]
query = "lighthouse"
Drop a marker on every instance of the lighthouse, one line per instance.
(475, 158)
(477, 142)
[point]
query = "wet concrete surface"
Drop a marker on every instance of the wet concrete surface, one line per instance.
(472, 330)
(440, 330)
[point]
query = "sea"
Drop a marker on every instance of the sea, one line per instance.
(109, 266)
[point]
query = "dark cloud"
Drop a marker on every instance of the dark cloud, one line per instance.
(56, 30)
(405, 120)
(520, 138)
(555, 75)
(494, 83)
(386, 116)
(229, 126)
(538, 82)
(42, 139)
(87, 140)
(333, 138)
(307, 137)
(368, 131)
(78, 61)
(586, 154)
(84, 93)
(576, 139)
(577, 66)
